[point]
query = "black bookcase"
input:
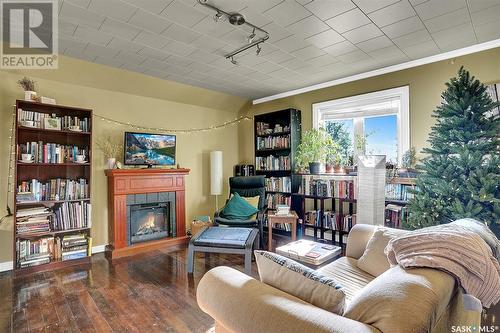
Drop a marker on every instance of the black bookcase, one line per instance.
(277, 136)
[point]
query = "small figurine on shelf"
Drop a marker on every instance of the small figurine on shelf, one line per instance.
(29, 88)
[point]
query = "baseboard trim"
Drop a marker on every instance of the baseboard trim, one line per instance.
(9, 265)
(6, 266)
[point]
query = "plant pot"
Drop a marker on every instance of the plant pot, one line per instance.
(329, 168)
(316, 168)
(29, 95)
(339, 169)
(111, 163)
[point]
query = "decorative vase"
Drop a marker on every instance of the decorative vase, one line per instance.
(329, 168)
(29, 95)
(316, 168)
(111, 163)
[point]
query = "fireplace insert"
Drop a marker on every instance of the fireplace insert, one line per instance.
(149, 222)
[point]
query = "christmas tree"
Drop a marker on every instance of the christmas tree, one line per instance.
(459, 175)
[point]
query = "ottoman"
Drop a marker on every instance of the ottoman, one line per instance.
(224, 240)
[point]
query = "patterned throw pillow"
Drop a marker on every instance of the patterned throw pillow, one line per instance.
(300, 281)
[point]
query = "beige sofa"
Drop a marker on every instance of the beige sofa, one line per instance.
(418, 300)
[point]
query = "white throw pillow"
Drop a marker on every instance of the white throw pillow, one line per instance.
(374, 260)
(300, 281)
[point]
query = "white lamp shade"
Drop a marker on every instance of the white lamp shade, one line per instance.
(216, 172)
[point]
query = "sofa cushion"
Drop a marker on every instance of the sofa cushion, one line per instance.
(300, 281)
(238, 208)
(374, 260)
(403, 300)
(345, 270)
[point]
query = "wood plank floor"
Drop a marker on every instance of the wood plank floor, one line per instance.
(144, 293)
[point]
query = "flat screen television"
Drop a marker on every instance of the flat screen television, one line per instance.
(149, 149)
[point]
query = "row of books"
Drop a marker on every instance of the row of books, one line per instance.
(344, 189)
(37, 120)
(330, 220)
(51, 152)
(263, 128)
(279, 184)
(33, 220)
(72, 215)
(46, 249)
(395, 215)
(52, 189)
(272, 163)
(398, 192)
(273, 142)
(274, 199)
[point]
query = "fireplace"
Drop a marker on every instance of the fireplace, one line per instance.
(148, 222)
(150, 217)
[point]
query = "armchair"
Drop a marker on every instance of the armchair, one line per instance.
(250, 186)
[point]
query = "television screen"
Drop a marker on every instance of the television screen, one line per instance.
(149, 149)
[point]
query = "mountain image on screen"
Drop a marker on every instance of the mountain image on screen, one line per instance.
(149, 149)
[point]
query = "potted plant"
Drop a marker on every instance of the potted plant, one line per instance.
(28, 86)
(333, 159)
(408, 164)
(313, 150)
(110, 150)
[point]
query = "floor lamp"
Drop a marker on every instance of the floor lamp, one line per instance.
(216, 176)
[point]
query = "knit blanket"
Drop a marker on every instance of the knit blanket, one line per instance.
(455, 250)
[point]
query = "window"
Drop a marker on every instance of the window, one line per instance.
(381, 118)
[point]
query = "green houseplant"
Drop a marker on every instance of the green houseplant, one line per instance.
(313, 150)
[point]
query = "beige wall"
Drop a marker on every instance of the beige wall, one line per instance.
(426, 84)
(138, 99)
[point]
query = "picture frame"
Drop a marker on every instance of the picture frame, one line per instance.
(52, 123)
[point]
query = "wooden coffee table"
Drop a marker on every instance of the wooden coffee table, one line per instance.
(272, 219)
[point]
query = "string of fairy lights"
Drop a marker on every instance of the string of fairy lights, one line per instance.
(235, 121)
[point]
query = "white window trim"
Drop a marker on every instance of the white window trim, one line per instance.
(403, 115)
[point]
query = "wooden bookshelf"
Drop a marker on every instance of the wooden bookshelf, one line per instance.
(289, 120)
(389, 220)
(43, 172)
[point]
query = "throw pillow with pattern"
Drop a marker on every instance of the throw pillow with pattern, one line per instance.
(300, 281)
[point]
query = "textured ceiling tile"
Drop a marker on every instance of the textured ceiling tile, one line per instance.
(278, 56)
(325, 9)
(492, 14)
(307, 27)
(152, 40)
(368, 6)
(153, 6)
(392, 14)
(291, 43)
(412, 38)
(180, 33)
(375, 44)
(325, 38)
(433, 8)
(92, 35)
(340, 48)
(308, 52)
(455, 37)
(78, 15)
(150, 22)
(488, 31)
(352, 57)
(183, 14)
(449, 20)
(348, 21)
(287, 13)
(116, 9)
(120, 29)
(363, 33)
(421, 50)
(124, 45)
(403, 27)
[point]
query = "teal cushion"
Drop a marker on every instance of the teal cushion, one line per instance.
(238, 208)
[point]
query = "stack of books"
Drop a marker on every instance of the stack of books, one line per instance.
(272, 163)
(73, 247)
(51, 152)
(273, 142)
(279, 184)
(73, 215)
(33, 220)
(274, 199)
(282, 210)
(395, 215)
(34, 252)
(53, 189)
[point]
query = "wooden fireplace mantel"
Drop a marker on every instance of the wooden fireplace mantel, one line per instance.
(122, 182)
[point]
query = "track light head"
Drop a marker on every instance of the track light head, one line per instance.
(251, 37)
(234, 62)
(259, 50)
(218, 16)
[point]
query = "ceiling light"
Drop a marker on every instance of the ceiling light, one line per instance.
(234, 62)
(259, 49)
(236, 19)
(217, 16)
(251, 37)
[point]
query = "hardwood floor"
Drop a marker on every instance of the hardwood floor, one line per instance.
(145, 293)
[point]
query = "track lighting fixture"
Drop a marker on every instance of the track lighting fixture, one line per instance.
(251, 37)
(239, 19)
(259, 49)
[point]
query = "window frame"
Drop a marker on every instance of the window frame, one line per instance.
(339, 106)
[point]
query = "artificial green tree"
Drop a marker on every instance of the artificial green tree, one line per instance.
(459, 175)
